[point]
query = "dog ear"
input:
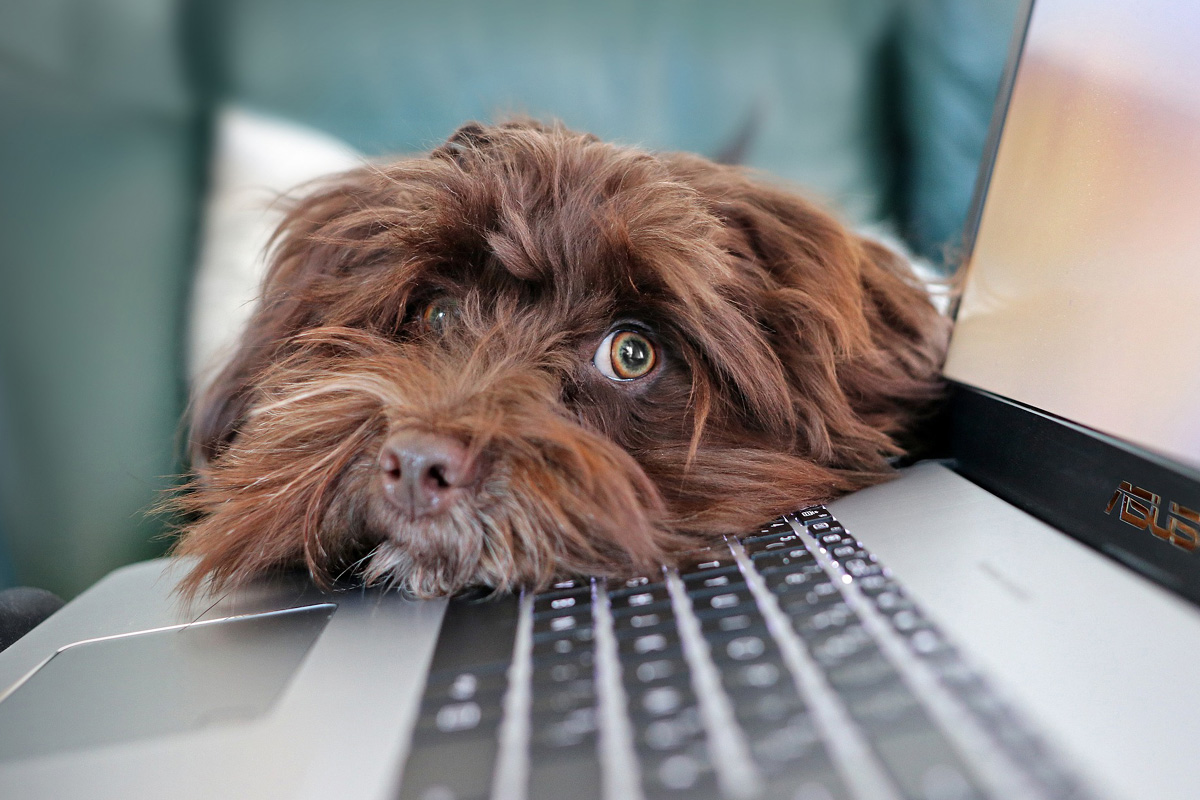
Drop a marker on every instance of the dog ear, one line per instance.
(341, 225)
(858, 337)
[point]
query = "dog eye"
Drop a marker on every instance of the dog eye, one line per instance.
(438, 315)
(625, 356)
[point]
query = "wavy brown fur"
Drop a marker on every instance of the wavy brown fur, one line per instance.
(795, 354)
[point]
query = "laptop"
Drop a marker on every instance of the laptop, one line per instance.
(1015, 621)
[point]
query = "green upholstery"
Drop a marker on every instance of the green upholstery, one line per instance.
(878, 106)
(99, 186)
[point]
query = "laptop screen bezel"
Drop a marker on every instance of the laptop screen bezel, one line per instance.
(1109, 493)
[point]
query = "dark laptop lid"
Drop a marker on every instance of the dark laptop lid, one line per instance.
(1077, 343)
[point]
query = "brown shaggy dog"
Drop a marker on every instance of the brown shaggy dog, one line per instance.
(533, 353)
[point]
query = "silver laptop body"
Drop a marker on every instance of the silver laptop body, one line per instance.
(1073, 366)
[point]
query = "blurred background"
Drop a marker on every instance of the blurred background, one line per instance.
(109, 126)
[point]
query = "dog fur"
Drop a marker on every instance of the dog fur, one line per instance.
(793, 358)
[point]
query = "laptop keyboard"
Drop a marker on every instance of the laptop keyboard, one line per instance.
(786, 663)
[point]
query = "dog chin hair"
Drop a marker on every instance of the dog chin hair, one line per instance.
(533, 354)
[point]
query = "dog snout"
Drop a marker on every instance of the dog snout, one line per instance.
(422, 471)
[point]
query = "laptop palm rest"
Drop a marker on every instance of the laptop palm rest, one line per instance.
(1090, 649)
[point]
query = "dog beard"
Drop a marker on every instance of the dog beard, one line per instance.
(789, 352)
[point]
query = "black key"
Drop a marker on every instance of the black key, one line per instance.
(831, 648)
(575, 633)
(847, 551)
(670, 734)
(725, 603)
(749, 646)
(834, 538)
(563, 650)
(781, 541)
(726, 576)
(645, 596)
(729, 623)
(707, 562)
(811, 601)
(923, 765)
(625, 633)
(876, 583)
(815, 782)
(576, 778)
(660, 700)
(475, 633)
(777, 747)
(648, 644)
(656, 670)
(862, 567)
(889, 708)
(563, 646)
(794, 556)
(774, 526)
(459, 769)
(553, 732)
(561, 698)
(457, 719)
(551, 673)
(559, 602)
(766, 673)
(808, 566)
(767, 710)
(785, 582)
(639, 620)
(452, 685)
(865, 670)
(634, 585)
(563, 622)
(892, 600)
(686, 774)
(569, 584)
(700, 592)
(813, 514)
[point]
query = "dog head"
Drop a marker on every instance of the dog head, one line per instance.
(533, 353)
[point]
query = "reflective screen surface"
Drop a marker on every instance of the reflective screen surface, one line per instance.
(1083, 296)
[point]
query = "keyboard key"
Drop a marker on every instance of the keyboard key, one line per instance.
(563, 620)
(784, 533)
(924, 766)
(577, 599)
(459, 769)
(575, 778)
(645, 596)
(635, 584)
(564, 646)
(686, 774)
(649, 643)
(775, 747)
(658, 669)
(698, 582)
(774, 526)
(795, 556)
(725, 604)
(707, 562)
(561, 698)
(476, 633)
(761, 674)
(812, 514)
(548, 673)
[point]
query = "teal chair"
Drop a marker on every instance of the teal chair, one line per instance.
(877, 106)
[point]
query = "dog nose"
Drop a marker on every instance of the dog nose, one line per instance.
(422, 470)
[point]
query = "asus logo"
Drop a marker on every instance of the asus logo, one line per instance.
(1140, 509)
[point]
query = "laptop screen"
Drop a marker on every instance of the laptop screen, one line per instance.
(1083, 291)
